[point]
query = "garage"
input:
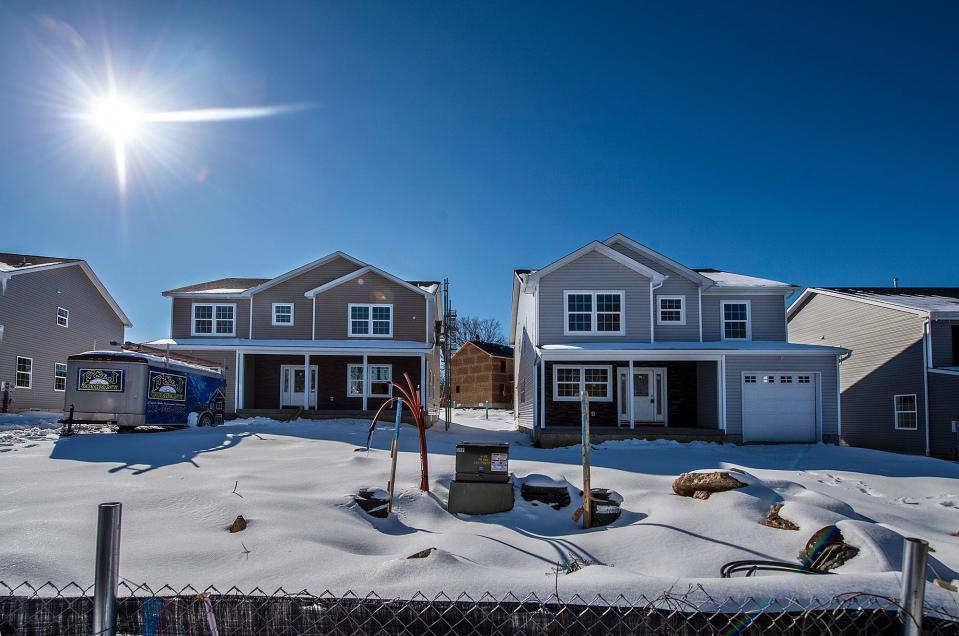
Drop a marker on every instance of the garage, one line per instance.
(779, 407)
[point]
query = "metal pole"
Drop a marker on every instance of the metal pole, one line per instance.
(487, 409)
(107, 565)
(394, 452)
(587, 495)
(915, 554)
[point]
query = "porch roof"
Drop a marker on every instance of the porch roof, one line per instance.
(686, 349)
(301, 346)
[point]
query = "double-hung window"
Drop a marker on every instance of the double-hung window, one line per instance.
(907, 417)
(282, 314)
(594, 313)
(570, 381)
(736, 321)
(63, 317)
(380, 378)
(213, 319)
(371, 320)
(672, 310)
(59, 376)
(24, 377)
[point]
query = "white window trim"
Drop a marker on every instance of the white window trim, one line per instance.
(896, 411)
(582, 382)
(55, 364)
(213, 333)
(283, 324)
(594, 331)
(682, 310)
(366, 381)
(722, 319)
(370, 334)
(17, 371)
(66, 319)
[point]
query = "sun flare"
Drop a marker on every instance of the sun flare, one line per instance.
(116, 117)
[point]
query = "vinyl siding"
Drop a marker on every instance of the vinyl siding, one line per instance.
(943, 409)
(941, 332)
(676, 285)
(767, 313)
(886, 360)
(28, 311)
(825, 365)
(291, 291)
(593, 271)
(524, 362)
(183, 316)
(409, 308)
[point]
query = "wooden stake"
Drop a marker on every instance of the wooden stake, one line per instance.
(394, 452)
(587, 503)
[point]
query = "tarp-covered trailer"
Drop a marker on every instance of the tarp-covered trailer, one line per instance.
(132, 389)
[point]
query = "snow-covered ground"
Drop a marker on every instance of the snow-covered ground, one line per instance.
(27, 427)
(293, 483)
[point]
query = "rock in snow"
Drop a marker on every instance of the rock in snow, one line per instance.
(701, 485)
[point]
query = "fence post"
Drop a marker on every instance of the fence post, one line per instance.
(487, 409)
(587, 494)
(915, 554)
(106, 572)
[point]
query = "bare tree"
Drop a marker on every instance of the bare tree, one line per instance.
(475, 328)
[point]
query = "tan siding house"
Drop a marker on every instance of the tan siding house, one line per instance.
(326, 337)
(50, 308)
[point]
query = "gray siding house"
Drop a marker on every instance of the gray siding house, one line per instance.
(900, 383)
(50, 308)
(664, 350)
(327, 337)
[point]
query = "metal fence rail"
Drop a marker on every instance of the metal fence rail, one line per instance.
(51, 611)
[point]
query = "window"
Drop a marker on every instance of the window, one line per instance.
(502, 366)
(59, 377)
(907, 418)
(457, 388)
(769, 379)
(594, 312)
(570, 381)
(214, 319)
(785, 379)
(750, 379)
(804, 379)
(735, 316)
(24, 379)
(672, 310)
(63, 317)
(380, 377)
(282, 314)
(371, 320)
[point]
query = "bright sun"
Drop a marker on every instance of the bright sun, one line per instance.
(116, 118)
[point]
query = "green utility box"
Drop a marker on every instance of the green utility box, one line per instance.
(478, 498)
(482, 461)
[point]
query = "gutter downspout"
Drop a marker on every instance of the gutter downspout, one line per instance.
(652, 311)
(926, 363)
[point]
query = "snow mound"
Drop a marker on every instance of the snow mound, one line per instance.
(536, 480)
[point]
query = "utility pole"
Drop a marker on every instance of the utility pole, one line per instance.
(448, 334)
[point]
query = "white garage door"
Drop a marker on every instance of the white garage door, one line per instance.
(779, 407)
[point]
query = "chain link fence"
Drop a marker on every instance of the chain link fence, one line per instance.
(48, 610)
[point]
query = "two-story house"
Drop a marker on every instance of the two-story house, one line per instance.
(328, 336)
(664, 350)
(50, 308)
(481, 374)
(900, 383)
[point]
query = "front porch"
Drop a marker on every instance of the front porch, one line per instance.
(630, 399)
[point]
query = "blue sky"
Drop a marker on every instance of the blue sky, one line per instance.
(816, 143)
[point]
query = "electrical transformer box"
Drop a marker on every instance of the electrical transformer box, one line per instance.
(482, 461)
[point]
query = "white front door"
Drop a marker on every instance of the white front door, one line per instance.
(293, 385)
(649, 389)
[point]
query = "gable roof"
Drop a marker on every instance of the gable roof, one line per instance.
(494, 349)
(605, 250)
(722, 279)
(932, 302)
(219, 286)
(17, 264)
(305, 268)
(686, 272)
(367, 270)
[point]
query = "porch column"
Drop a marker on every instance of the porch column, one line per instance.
(424, 385)
(366, 380)
(542, 392)
(306, 382)
(238, 384)
(721, 392)
(629, 397)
